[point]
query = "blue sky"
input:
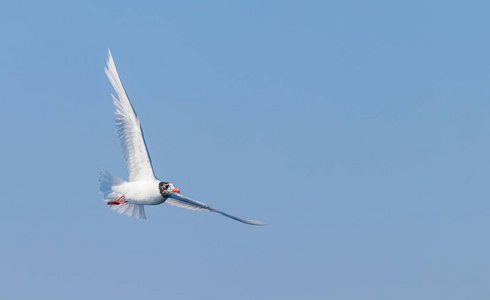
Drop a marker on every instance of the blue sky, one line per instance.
(358, 130)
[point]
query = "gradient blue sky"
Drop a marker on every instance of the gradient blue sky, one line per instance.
(359, 130)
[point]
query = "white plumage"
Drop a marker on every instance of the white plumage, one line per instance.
(143, 188)
(129, 129)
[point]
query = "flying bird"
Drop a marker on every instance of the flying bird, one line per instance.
(143, 188)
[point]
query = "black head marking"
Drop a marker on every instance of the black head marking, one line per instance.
(163, 186)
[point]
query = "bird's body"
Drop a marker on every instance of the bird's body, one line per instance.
(143, 188)
(144, 192)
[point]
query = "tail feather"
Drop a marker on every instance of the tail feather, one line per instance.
(106, 183)
(133, 210)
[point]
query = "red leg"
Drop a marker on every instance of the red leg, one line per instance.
(116, 202)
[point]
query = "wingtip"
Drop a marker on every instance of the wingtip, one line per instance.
(109, 60)
(256, 223)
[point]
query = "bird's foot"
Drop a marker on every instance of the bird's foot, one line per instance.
(117, 202)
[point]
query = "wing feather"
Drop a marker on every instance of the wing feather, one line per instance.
(184, 202)
(129, 131)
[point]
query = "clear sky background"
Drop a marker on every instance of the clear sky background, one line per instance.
(358, 130)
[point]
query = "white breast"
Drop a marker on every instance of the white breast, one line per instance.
(144, 192)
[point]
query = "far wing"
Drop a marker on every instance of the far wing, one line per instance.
(129, 129)
(184, 202)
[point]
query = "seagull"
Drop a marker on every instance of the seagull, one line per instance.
(143, 188)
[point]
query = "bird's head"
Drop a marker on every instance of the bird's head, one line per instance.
(167, 188)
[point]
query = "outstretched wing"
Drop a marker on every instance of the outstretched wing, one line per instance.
(129, 129)
(181, 201)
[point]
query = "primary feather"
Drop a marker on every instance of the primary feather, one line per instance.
(129, 129)
(184, 202)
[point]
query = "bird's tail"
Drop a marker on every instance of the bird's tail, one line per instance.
(107, 182)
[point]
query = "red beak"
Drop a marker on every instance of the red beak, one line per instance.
(175, 190)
